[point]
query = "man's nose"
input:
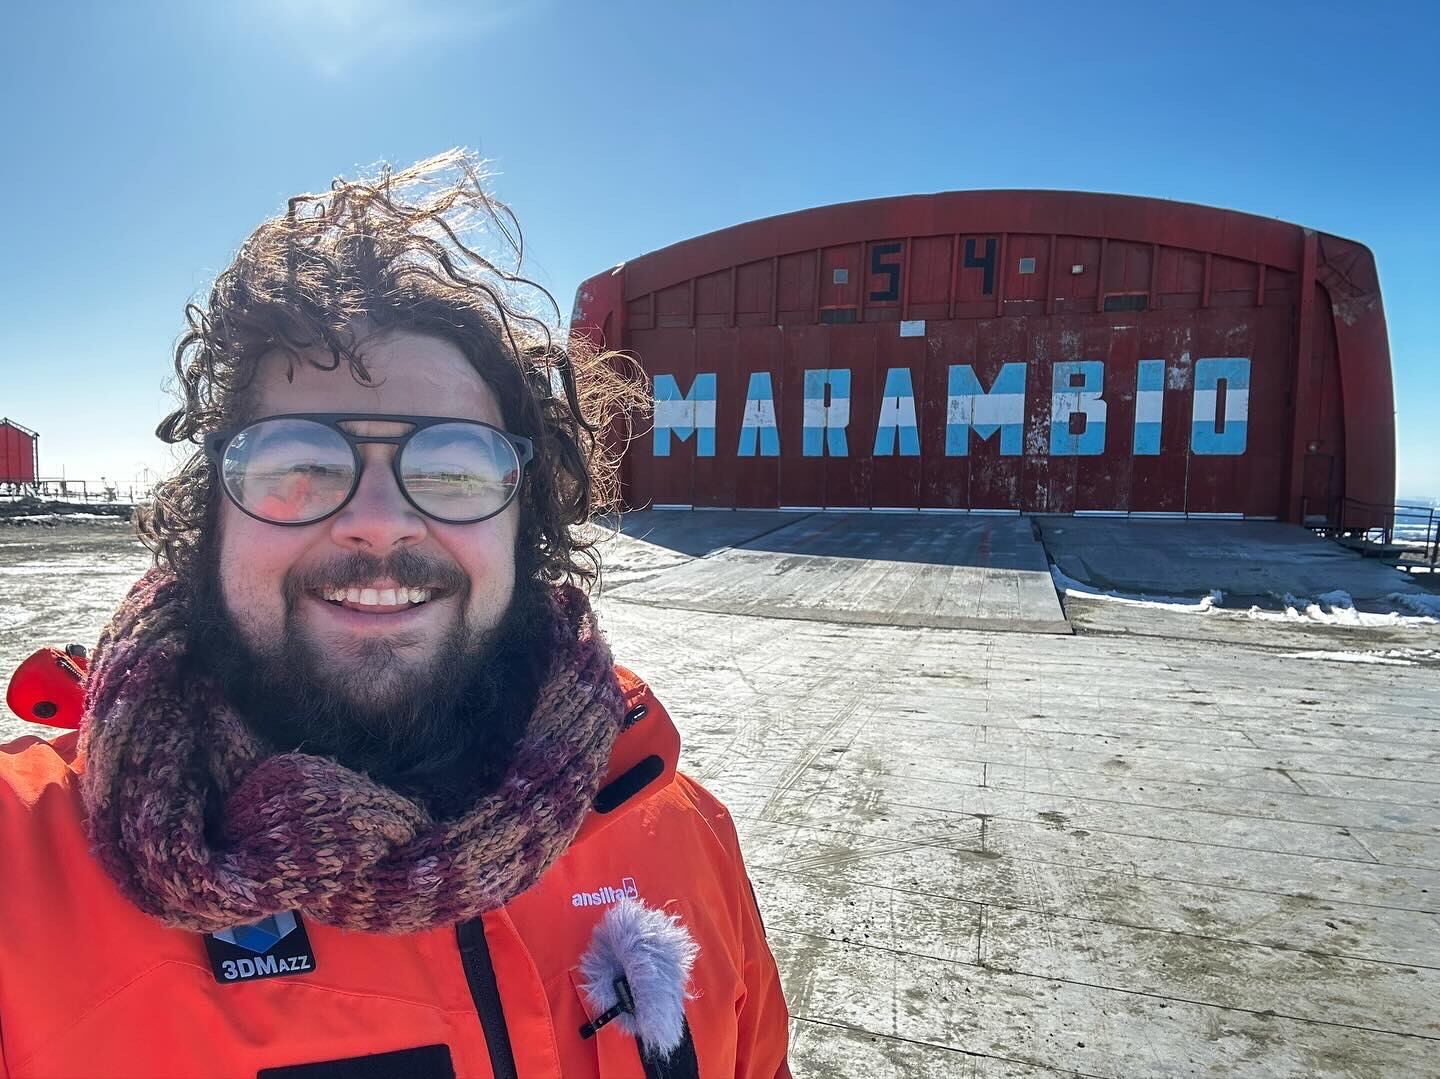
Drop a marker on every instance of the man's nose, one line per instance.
(378, 517)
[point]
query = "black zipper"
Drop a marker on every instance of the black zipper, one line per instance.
(485, 991)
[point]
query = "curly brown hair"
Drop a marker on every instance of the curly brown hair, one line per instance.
(387, 252)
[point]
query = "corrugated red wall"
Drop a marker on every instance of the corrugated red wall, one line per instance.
(17, 453)
(1170, 358)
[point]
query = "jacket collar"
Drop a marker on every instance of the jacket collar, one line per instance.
(642, 761)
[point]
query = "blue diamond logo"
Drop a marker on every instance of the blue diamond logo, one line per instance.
(259, 937)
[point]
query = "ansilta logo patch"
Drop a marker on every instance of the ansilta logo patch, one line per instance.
(270, 948)
(606, 895)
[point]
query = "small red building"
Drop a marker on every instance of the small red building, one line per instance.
(19, 457)
(1030, 351)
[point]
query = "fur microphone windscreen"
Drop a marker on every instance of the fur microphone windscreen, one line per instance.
(654, 952)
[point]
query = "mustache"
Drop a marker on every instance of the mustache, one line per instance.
(405, 567)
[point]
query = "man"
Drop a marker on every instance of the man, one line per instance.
(357, 789)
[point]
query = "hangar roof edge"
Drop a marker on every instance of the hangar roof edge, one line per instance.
(1136, 218)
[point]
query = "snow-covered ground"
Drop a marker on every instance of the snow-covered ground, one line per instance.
(55, 518)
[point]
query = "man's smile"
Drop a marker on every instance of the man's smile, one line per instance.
(377, 598)
(377, 610)
(380, 596)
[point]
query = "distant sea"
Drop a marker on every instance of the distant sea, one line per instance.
(1413, 517)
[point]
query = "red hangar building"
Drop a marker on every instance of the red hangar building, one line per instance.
(1014, 351)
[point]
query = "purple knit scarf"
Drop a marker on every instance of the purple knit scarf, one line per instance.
(302, 832)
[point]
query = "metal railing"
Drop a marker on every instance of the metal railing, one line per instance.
(1411, 533)
(89, 492)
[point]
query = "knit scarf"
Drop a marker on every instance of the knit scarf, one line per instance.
(301, 832)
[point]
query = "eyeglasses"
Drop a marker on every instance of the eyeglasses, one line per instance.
(302, 468)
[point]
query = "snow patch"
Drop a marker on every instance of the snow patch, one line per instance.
(1422, 603)
(1333, 608)
(1068, 586)
(61, 518)
(1336, 608)
(1390, 657)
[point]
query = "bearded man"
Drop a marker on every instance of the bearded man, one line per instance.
(357, 789)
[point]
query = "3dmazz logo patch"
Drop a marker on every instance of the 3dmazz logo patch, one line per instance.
(270, 948)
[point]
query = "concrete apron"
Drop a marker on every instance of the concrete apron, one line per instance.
(1000, 854)
(1243, 559)
(941, 571)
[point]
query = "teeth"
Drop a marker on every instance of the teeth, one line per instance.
(377, 597)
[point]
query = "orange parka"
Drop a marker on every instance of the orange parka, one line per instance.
(92, 987)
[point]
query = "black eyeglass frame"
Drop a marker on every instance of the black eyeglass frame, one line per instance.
(216, 443)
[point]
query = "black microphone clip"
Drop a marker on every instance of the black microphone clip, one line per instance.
(624, 1004)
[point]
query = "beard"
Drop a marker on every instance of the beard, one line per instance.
(443, 731)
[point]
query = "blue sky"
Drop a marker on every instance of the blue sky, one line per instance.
(144, 140)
